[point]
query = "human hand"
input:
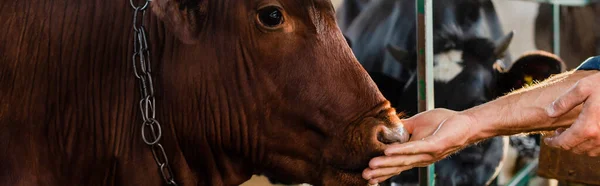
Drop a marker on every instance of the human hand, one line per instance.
(583, 137)
(435, 135)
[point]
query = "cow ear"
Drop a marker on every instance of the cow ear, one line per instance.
(530, 68)
(502, 44)
(400, 55)
(182, 17)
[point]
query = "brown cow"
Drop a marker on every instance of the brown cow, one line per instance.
(579, 32)
(243, 87)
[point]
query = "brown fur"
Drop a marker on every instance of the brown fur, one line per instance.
(233, 99)
(579, 32)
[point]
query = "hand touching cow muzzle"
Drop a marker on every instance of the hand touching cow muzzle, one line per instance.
(435, 135)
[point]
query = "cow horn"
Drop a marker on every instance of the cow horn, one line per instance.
(502, 44)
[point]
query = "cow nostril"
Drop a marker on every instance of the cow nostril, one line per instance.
(388, 136)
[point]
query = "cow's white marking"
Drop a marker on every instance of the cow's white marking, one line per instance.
(446, 66)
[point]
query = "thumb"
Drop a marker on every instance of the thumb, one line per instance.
(565, 140)
(563, 104)
(409, 124)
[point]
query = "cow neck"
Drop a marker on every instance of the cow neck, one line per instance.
(208, 102)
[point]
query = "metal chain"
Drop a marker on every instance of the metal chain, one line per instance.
(151, 128)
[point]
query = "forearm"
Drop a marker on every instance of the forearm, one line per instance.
(524, 110)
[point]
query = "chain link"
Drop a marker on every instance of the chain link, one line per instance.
(151, 128)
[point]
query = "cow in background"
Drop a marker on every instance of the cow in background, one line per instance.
(348, 11)
(468, 72)
(383, 38)
(579, 32)
(479, 81)
(384, 22)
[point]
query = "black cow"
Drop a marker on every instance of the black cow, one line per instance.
(384, 28)
(472, 78)
(348, 11)
(464, 77)
(384, 22)
(468, 71)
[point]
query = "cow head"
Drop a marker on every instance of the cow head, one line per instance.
(277, 91)
(463, 71)
(469, 71)
(462, 15)
(529, 68)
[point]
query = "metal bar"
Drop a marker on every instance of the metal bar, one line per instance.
(556, 27)
(425, 72)
(521, 176)
(422, 104)
(429, 80)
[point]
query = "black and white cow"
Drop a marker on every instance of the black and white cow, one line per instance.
(384, 22)
(467, 75)
(468, 72)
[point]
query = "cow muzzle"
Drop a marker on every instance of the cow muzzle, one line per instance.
(392, 134)
(390, 128)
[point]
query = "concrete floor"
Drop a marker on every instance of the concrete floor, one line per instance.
(514, 15)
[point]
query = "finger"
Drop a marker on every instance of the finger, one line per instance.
(567, 140)
(413, 122)
(572, 98)
(559, 131)
(556, 133)
(426, 117)
(400, 160)
(584, 147)
(584, 128)
(425, 146)
(409, 125)
(376, 173)
(594, 152)
(379, 180)
(386, 177)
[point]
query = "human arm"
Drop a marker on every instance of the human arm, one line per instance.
(521, 111)
(579, 106)
(525, 110)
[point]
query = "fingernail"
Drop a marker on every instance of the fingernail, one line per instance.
(373, 166)
(373, 182)
(559, 131)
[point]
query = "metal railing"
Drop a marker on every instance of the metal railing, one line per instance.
(425, 73)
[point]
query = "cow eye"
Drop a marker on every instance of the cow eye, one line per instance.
(270, 16)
